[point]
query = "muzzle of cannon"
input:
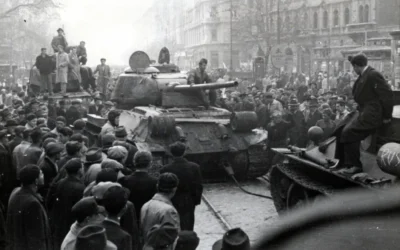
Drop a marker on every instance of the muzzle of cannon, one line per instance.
(183, 88)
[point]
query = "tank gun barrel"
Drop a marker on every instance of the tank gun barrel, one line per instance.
(214, 85)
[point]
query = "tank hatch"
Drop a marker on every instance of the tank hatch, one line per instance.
(139, 61)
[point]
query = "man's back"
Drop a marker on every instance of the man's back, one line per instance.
(158, 210)
(27, 225)
(142, 188)
(190, 186)
(32, 155)
(117, 235)
(18, 154)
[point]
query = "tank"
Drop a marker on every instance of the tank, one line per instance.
(304, 175)
(160, 108)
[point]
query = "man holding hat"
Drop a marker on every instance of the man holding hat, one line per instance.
(375, 105)
(59, 40)
(190, 189)
(159, 209)
(103, 77)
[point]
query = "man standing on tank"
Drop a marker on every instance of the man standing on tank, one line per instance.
(375, 106)
(104, 76)
(200, 76)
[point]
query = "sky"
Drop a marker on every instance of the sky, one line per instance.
(106, 26)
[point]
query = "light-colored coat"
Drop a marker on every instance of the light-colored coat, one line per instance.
(62, 61)
(158, 210)
(74, 73)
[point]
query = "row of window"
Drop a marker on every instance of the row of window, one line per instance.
(363, 17)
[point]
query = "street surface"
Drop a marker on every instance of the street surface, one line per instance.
(252, 214)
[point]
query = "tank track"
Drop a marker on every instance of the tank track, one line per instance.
(294, 173)
(258, 162)
(283, 175)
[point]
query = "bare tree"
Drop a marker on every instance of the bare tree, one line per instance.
(251, 25)
(30, 5)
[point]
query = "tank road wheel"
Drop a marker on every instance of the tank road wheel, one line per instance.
(297, 196)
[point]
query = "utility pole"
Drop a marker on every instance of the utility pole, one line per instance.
(231, 66)
(329, 54)
(279, 23)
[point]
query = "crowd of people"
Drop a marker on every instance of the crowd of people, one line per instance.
(57, 192)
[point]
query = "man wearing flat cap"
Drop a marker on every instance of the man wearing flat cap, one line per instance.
(59, 40)
(190, 189)
(159, 209)
(375, 105)
(103, 77)
(97, 107)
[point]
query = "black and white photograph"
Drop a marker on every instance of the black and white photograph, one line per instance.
(199, 124)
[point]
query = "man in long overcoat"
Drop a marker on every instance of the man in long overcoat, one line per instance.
(27, 223)
(104, 76)
(190, 188)
(375, 106)
(62, 62)
(7, 171)
(60, 200)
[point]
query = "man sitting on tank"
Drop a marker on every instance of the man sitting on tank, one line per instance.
(375, 105)
(199, 76)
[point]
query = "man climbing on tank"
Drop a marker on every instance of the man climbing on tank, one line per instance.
(375, 105)
(200, 76)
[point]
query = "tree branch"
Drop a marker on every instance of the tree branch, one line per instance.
(36, 5)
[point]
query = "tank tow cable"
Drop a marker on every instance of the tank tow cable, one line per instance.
(230, 172)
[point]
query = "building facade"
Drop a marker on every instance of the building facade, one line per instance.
(318, 31)
(207, 34)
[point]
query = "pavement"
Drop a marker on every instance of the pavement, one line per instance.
(252, 214)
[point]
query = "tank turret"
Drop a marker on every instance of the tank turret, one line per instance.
(157, 85)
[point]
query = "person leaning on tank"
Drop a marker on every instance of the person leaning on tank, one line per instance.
(375, 106)
(200, 76)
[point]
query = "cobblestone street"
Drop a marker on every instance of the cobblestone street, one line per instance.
(252, 214)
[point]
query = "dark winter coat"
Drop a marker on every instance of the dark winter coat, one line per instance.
(189, 191)
(27, 223)
(142, 188)
(93, 109)
(313, 119)
(8, 174)
(14, 143)
(298, 134)
(60, 200)
(72, 115)
(375, 103)
(45, 64)
(130, 224)
(278, 132)
(117, 235)
(49, 170)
